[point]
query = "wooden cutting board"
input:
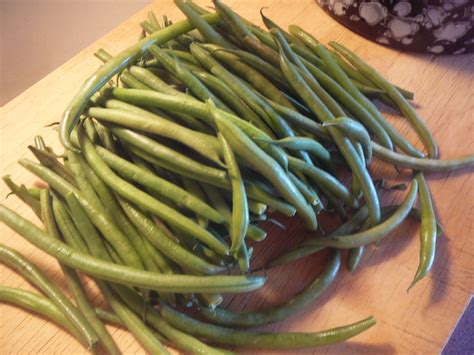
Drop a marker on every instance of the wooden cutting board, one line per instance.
(420, 321)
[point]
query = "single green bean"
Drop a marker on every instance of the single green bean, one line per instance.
(377, 232)
(427, 230)
(277, 313)
(425, 165)
(262, 340)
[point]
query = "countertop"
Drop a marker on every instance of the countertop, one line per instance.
(420, 321)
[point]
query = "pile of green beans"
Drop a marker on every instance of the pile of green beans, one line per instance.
(212, 126)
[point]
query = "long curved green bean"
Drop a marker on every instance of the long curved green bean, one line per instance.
(377, 232)
(182, 340)
(132, 193)
(114, 66)
(35, 276)
(40, 305)
(262, 340)
(307, 144)
(240, 209)
(124, 274)
(268, 167)
(427, 230)
(419, 126)
(277, 313)
(425, 165)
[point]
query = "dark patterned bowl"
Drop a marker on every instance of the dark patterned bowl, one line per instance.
(434, 26)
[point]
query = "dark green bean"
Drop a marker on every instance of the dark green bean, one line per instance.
(262, 340)
(427, 230)
(377, 232)
(425, 165)
(277, 313)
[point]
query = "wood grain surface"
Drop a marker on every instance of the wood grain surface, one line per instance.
(417, 322)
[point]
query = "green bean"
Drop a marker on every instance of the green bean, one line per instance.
(35, 276)
(310, 246)
(259, 194)
(203, 26)
(425, 165)
(280, 312)
(146, 201)
(267, 166)
(427, 230)
(162, 186)
(354, 256)
(395, 95)
(377, 232)
(145, 121)
(272, 73)
(114, 66)
(166, 245)
(99, 214)
(354, 129)
(124, 274)
(148, 27)
(134, 324)
(22, 193)
(40, 305)
(307, 144)
(243, 259)
(262, 340)
(369, 121)
(360, 99)
(240, 209)
(182, 340)
(109, 317)
(71, 276)
(257, 208)
(248, 96)
(324, 179)
(199, 110)
(173, 65)
(34, 192)
(346, 148)
(50, 161)
(251, 75)
(227, 95)
(169, 155)
(308, 194)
